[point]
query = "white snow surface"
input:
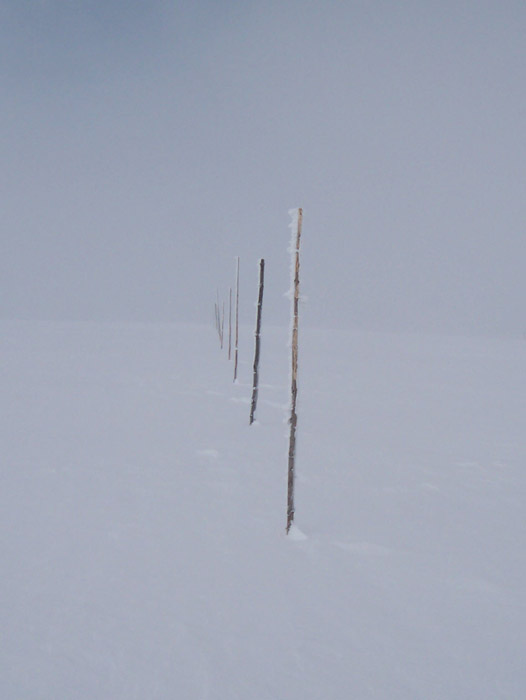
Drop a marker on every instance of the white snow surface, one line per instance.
(143, 547)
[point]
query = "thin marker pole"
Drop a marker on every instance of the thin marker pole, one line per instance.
(222, 325)
(230, 324)
(293, 421)
(217, 321)
(255, 381)
(236, 348)
(218, 318)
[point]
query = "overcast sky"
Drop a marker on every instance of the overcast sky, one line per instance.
(145, 144)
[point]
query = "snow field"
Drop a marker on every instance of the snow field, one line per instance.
(142, 521)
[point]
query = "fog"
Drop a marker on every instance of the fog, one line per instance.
(145, 144)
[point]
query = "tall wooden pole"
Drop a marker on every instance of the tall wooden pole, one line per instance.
(255, 382)
(237, 321)
(293, 421)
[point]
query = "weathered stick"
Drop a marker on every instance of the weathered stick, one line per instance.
(230, 324)
(218, 318)
(255, 381)
(217, 321)
(236, 348)
(222, 325)
(293, 421)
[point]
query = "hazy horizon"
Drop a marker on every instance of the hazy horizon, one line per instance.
(145, 144)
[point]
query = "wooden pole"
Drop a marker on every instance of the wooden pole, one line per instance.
(230, 324)
(293, 421)
(217, 318)
(236, 348)
(255, 381)
(222, 325)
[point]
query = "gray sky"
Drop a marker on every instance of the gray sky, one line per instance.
(145, 144)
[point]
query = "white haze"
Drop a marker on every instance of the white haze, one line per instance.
(144, 145)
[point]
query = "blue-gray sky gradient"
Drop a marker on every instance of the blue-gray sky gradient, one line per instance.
(145, 144)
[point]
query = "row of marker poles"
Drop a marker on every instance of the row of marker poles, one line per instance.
(297, 220)
(296, 225)
(220, 328)
(219, 316)
(219, 312)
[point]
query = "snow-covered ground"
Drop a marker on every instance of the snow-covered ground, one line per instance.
(143, 547)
